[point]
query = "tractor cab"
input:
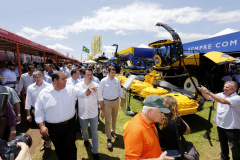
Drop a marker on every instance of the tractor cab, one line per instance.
(166, 52)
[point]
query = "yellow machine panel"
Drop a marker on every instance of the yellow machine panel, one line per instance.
(192, 59)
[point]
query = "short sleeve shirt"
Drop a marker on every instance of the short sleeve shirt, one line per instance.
(140, 139)
(228, 115)
(12, 97)
(9, 76)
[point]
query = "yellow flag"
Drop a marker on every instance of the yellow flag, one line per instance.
(92, 49)
(98, 45)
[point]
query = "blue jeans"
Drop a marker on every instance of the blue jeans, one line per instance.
(93, 126)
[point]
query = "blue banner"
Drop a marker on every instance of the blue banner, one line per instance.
(225, 43)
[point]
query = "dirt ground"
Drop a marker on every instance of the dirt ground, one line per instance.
(32, 130)
(37, 140)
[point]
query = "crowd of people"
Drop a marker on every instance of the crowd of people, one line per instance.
(232, 75)
(61, 100)
(58, 96)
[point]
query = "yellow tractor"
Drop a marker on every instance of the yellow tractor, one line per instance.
(205, 68)
(178, 73)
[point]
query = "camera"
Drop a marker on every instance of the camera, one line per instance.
(10, 150)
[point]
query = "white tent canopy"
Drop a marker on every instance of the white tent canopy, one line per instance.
(224, 32)
(90, 61)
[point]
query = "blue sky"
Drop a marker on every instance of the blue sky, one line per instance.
(68, 25)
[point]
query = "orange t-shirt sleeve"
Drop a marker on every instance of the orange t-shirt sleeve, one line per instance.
(133, 145)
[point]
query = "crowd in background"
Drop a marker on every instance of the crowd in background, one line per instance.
(87, 78)
(34, 78)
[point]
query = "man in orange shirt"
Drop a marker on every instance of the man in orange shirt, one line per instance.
(140, 134)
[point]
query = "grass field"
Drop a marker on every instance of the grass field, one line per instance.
(197, 122)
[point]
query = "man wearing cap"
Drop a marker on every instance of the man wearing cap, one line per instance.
(140, 134)
(9, 75)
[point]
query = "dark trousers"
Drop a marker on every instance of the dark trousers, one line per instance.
(232, 136)
(78, 126)
(63, 137)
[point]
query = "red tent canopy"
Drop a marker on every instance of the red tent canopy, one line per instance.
(8, 42)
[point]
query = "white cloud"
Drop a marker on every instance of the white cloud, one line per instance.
(109, 50)
(193, 36)
(120, 32)
(223, 17)
(166, 35)
(143, 46)
(48, 32)
(29, 33)
(138, 16)
(61, 48)
(60, 33)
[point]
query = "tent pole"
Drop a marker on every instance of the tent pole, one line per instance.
(44, 57)
(20, 70)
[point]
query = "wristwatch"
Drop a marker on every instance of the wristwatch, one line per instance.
(19, 115)
(89, 90)
(13, 132)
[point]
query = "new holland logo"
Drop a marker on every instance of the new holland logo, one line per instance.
(157, 60)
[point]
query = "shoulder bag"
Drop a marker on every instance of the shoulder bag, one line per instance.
(186, 148)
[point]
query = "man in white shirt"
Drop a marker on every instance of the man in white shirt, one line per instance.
(32, 94)
(46, 77)
(26, 79)
(88, 111)
(50, 70)
(64, 67)
(73, 80)
(94, 79)
(81, 73)
(9, 75)
(45, 69)
(227, 118)
(55, 106)
(111, 91)
(68, 71)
